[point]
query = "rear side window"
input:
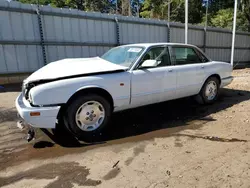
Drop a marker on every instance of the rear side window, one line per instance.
(203, 58)
(185, 55)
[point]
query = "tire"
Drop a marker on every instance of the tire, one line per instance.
(210, 91)
(86, 116)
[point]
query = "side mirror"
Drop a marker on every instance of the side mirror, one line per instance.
(149, 63)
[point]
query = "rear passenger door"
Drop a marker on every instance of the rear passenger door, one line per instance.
(190, 70)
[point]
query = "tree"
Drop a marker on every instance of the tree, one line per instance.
(220, 12)
(224, 19)
(126, 7)
(136, 7)
(42, 2)
(216, 5)
(87, 5)
(245, 9)
(152, 9)
(159, 9)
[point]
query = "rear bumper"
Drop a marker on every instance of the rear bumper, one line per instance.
(46, 119)
(226, 81)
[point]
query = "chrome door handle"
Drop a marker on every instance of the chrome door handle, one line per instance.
(171, 70)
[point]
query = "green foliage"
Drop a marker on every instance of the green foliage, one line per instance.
(159, 9)
(220, 12)
(245, 10)
(42, 2)
(224, 19)
(88, 5)
(146, 14)
(216, 5)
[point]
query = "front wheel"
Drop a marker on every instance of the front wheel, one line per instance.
(210, 90)
(87, 115)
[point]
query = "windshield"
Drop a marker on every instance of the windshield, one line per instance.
(123, 55)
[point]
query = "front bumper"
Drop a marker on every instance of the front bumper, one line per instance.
(47, 118)
(226, 81)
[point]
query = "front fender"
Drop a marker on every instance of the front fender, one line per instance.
(87, 87)
(91, 86)
(59, 92)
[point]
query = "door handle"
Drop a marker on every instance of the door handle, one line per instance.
(202, 67)
(170, 70)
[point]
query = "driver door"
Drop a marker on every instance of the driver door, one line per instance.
(153, 84)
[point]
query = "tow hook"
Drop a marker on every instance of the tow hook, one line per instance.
(30, 135)
(31, 132)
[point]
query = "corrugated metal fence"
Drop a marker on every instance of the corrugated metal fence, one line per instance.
(31, 37)
(215, 42)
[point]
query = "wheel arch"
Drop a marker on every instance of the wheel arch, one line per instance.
(212, 75)
(86, 90)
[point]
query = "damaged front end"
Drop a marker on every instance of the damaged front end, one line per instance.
(39, 106)
(21, 123)
(26, 87)
(30, 130)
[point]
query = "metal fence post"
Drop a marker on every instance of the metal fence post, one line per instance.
(168, 33)
(41, 34)
(204, 39)
(117, 32)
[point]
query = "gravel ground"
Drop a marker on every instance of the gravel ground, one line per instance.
(172, 144)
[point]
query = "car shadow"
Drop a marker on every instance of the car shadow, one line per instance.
(163, 116)
(63, 138)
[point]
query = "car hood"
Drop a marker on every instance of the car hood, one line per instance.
(73, 67)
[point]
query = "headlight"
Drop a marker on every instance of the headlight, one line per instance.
(25, 90)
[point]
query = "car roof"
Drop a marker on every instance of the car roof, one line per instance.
(146, 45)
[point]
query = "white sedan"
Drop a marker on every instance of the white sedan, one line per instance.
(83, 92)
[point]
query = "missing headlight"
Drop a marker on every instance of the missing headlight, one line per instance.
(26, 89)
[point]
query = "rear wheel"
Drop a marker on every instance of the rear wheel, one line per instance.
(86, 116)
(210, 90)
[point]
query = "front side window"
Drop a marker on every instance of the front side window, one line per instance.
(159, 54)
(123, 55)
(185, 55)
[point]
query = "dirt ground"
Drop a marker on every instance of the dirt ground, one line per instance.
(172, 144)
